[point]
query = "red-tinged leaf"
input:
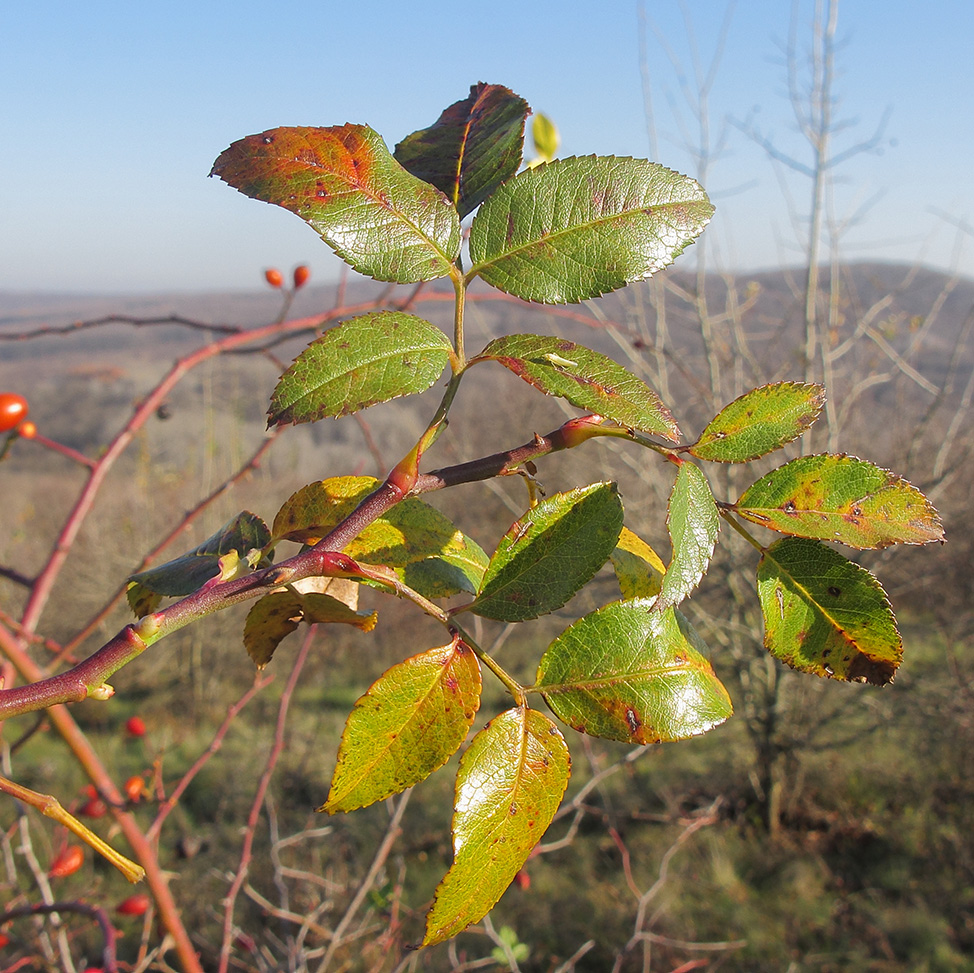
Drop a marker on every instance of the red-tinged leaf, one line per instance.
(825, 614)
(509, 785)
(693, 523)
(409, 723)
(638, 567)
(472, 147)
(550, 553)
(760, 421)
(631, 672)
(585, 378)
(234, 549)
(844, 499)
(376, 216)
(314, 600)
(575, 228)
(369, 359)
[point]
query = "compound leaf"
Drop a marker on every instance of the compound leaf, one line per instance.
(408, 723)
(376, 216)
(585, 378)
(693, 523)
(233, 550)
(472, 147)
(369, 359)
(634, 673)
(759, 422)
(575, 228)
(825, 614)
(841, 498)
(550, 553)
(509, 785)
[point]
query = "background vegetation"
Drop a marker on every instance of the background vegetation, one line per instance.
(824, 828)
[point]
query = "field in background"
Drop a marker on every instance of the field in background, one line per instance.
(871, 864)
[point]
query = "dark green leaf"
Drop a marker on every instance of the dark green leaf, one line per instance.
(509, 785)
(377, 217)
(234, 549)
(825, 614)
(693, 524)
(580, 227)
(370, 359)
(841, 498)
(585, 378)
(759, 422)
(472, 147)
(631, 672)
(411, 721)
(550, 553)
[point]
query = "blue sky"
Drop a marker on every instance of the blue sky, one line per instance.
(113, 113)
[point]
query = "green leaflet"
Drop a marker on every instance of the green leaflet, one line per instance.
(472, 147)
(376, 216)
(634, 673)
(825, 614)
(759, 422)
(576, 228)
(409, 723)
(693, 523)
(550, 553)
(234, 549)
(509, 785)
(585, 378)
(369, 359)
(544, 135)
(841, 498)
(638, 567)
(424, 548)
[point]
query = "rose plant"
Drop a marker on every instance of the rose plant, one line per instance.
(633, 670)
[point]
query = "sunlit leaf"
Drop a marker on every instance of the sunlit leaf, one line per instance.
(841, 498)
(631, 672)
(471, 148)
(509, 785)
(580, 227)
(759, 422)
(550, 553)
(638, 567)
(458, 567)
(369, 359)
(376, 216)
(411, 721)
(693, 523)
(544, 134)
(585, 378)
(825, 614)
(234, 549)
